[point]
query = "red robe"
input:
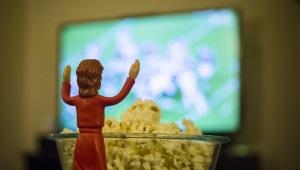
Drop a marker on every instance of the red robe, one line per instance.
(90, 149)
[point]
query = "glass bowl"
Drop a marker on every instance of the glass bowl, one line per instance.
(149, 151)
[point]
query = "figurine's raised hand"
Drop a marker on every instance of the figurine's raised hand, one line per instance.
(135, 69)
(66, 76)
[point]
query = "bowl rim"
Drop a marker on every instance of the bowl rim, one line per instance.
(203, 138)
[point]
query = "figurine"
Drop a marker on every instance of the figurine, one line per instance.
(90, 150)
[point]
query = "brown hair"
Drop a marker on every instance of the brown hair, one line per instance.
(89, 75)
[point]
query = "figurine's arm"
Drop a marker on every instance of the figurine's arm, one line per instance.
(108, 101)
(133, 72)
(66, 87)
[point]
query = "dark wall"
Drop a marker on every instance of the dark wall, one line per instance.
(11, 41)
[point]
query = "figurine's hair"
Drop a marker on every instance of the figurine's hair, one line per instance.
(89, 75)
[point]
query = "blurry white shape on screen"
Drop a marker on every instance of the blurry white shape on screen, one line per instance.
(178, 50)
(92, 51)
(192, 97)
(127, 48)
(206, 70)
(109, 90)
(180, 67)
(161, 83)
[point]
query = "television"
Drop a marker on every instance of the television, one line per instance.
(190, 64)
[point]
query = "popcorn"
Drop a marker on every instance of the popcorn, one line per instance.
(190, 128)
(148, 153)
(144, 117)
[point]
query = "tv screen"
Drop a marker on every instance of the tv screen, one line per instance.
(190, 64)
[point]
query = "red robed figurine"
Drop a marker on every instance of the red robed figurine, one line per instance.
(90, 149)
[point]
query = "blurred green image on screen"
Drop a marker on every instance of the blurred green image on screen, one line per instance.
(190, 64)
